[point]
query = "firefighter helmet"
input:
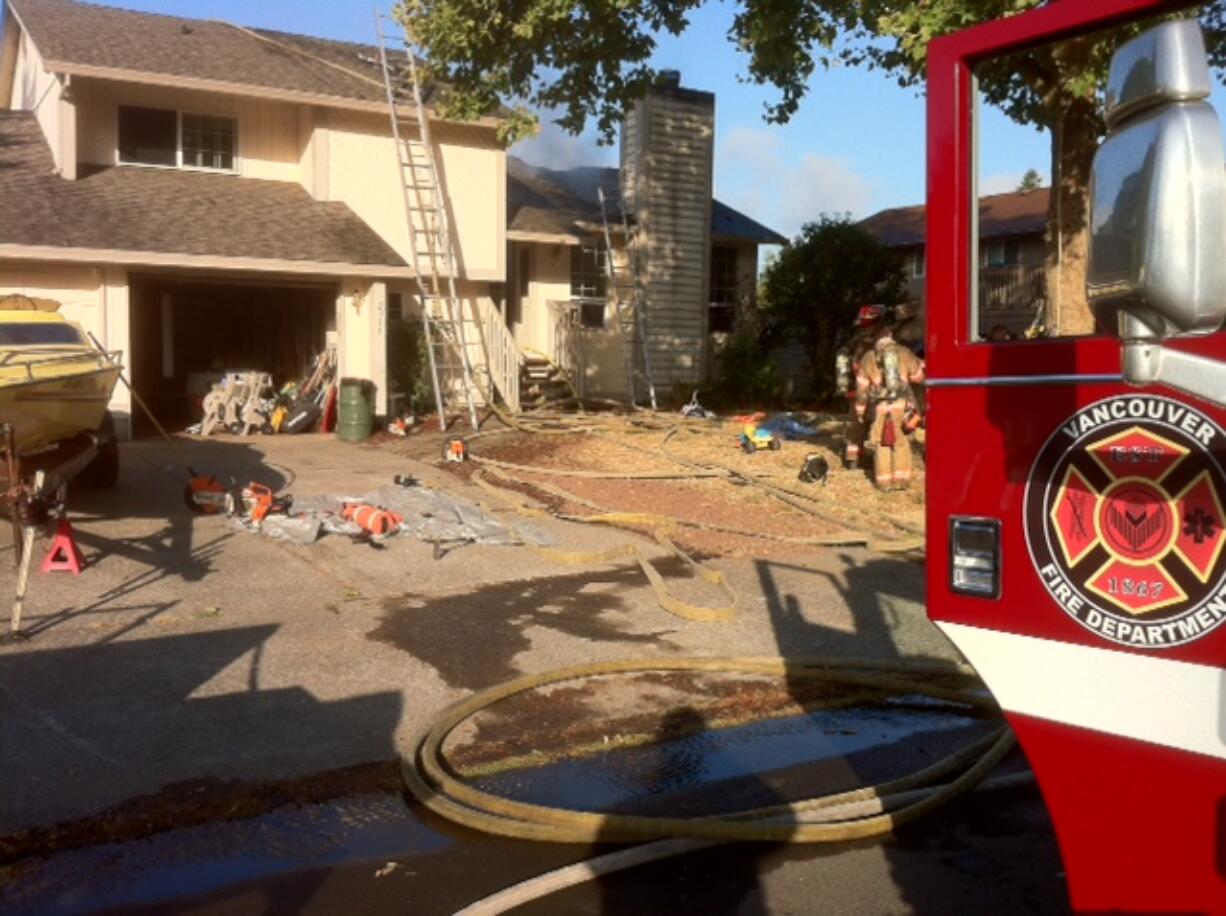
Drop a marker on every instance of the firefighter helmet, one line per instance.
(870, 315)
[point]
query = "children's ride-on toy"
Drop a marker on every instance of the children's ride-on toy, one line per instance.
(754, 438)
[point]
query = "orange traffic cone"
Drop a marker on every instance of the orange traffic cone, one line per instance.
(64, 554)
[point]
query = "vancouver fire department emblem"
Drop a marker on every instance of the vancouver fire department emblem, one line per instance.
(1125, 521)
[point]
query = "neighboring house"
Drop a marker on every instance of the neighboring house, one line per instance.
(1012, 286)
(204, 196)
(696, 259)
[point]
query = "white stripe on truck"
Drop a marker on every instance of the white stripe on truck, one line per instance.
(1145, 697)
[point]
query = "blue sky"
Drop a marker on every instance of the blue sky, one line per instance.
(855, 146)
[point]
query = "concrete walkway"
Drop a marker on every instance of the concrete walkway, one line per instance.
(188, 648)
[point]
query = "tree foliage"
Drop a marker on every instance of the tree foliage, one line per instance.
(589, 59)
(815, 286)
(1031, 181)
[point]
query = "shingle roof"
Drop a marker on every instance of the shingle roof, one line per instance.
(86, 34)
(170, 211)
(564, 202)
(1000, 215)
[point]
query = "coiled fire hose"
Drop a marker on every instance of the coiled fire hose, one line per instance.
(856, 814)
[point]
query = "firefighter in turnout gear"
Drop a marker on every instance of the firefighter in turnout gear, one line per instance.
(886, 402)
(869, 324)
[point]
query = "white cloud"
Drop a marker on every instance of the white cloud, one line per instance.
(755, 174)
(554, 148)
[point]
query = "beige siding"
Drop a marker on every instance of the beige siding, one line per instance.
(314, 145)
(549, 282)
(36, 90)
(269, 138)
(363, 172)
(474, 170)
(602, 353)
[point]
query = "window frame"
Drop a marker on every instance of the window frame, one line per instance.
(952, 139)
(179, 163)
(1006, 247)
(585, 303)
(585, 309)
(725, 308)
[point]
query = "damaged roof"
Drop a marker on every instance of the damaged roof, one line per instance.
(564, 202)
(71, 35)
(171, 211)
(1000, 216)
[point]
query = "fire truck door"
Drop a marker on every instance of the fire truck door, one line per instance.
(1076, 484)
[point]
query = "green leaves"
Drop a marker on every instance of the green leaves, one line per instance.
(815, 286)
(589, 59)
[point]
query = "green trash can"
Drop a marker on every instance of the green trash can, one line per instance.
(355, 419)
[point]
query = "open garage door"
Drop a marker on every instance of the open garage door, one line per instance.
(187, 332)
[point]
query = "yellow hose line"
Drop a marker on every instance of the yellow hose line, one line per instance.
(599, 475)
(659, 526)
(623, 859)
(431, 781)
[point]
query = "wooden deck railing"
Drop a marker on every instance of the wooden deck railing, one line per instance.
(566, 343)
(1012, 290)
(502, 357)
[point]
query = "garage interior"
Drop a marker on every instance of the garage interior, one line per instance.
(186, 332)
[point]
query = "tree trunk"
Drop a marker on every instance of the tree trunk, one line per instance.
(1074, 141)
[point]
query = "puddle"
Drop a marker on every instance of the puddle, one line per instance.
(835, 743)
(195, 860)
(699, 773)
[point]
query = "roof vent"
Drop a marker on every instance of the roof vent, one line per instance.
(669, 79)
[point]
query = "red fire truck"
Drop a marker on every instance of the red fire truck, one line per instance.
(1077, 486)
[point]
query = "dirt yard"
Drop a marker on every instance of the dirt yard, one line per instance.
(723, 501)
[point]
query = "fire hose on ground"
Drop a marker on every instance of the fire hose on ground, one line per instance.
(856, 814)
(851, 815)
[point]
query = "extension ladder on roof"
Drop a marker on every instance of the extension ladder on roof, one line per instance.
(624, 288)
(448, 329)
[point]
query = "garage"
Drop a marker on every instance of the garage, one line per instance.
(187, 331)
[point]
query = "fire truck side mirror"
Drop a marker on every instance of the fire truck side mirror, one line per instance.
(1157, 264)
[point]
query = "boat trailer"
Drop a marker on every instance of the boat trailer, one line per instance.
(34, 494)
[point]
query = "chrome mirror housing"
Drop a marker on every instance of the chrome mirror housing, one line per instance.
(1157, 265)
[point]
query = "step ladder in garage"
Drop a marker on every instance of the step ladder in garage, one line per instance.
(630, 310)
(449, 331)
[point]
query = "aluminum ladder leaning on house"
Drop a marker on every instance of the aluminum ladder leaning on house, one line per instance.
(627, 301)
(430, 246)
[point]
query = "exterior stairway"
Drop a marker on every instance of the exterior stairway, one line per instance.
(542, 385)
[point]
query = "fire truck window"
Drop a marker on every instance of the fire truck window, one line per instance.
(1038, 122)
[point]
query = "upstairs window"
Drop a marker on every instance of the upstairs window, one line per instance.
(725, 289)
(587, 271)
(919, 264)
(208, 142)
(172, 139)
(588, 283)
(148, 136)
(1000, 254)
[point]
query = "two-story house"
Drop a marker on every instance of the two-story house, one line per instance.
(204, 196)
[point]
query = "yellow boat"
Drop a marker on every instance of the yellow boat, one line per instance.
(54, 383)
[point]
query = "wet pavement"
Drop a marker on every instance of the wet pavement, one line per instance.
(378, 853)
(194, 674)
